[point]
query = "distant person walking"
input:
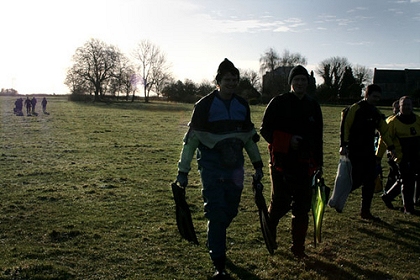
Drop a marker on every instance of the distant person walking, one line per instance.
(28, 105)
(44, 105)
(33, 101)
(19, 107)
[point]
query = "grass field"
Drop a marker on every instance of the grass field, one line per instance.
(85, 194)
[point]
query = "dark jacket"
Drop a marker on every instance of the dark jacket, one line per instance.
(287, 115)
(360, 125)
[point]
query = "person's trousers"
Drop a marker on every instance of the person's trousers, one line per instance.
(393, 175)
(291, 191)
(363, 174)
(408, 185)
(221, 195)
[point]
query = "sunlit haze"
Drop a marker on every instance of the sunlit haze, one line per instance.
(40, 37)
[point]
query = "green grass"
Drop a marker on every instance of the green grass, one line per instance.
(85, 194)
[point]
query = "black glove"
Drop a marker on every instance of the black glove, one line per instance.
(319, 172)
(182, 179)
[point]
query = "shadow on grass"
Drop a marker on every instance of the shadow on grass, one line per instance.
(336, 271)
(406, 231)
(328, 270)
(240, 272)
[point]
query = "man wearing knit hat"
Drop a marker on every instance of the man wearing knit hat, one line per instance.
(219, 130)
(292, 125)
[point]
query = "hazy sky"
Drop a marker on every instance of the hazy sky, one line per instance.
(39, 38)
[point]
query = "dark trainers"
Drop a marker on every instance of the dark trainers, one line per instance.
(300, 255)
(369, 216)
(387, 201)
(299, 252)
(220, 274)
(410, 211)
(219, 265)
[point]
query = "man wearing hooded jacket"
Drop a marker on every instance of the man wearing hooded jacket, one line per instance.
(293, 127)
(219, 130)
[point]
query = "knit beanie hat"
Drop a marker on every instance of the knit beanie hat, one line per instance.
(297, 70)
(226, 67)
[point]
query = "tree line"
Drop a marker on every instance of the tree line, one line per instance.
(101, 70)
(8, 92)
(341, 80)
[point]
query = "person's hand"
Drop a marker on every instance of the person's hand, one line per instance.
(295, 141)
(344, 151)
(319, 172)
(393, 154)
(258, 174)
(182, 179)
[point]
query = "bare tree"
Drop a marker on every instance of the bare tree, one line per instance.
(275, 70)
(151, 65)
(123, 77)
(269, 61)
(94, 64)
(75, 83)
(332, 71)
(363, 75)
(161, 74)
(292, 59)
(253, 78)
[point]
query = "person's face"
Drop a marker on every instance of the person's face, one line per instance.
(406, 106)
(228, 85)
(396, 108)
(299, 84)
(373, 98)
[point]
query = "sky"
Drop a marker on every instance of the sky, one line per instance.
(39, 38)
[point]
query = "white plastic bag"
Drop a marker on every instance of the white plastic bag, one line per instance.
(342, 185)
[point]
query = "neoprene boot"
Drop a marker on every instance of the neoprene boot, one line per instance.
(416, 191)
(391, 194)
(272, 225)
(299, 229)
(219, 265)
(408, 199)
(367, 196)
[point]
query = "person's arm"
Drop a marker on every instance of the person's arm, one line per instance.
(253, 152)
(191, 143)
(189, 147)
(319, 156)
(387, 132)
(347, 124)
(382, 146)
(381, 149)
(267, 125)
